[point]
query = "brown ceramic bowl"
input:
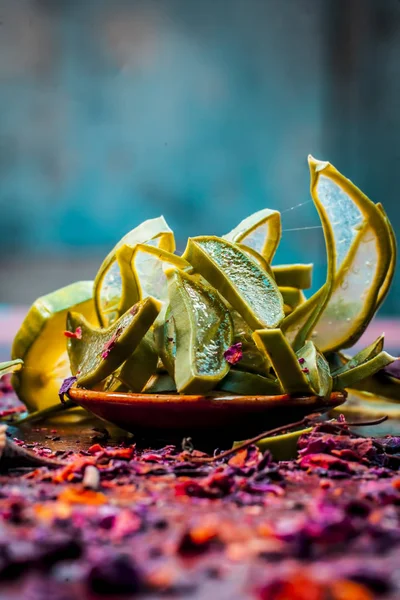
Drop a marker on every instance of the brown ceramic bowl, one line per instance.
(219, 417)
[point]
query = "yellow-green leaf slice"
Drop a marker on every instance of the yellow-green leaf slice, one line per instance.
(107, 284)
(306, 372)
(249, 384)
(238, 278)
(295, 276)
(363, 257)
(160, 384)
(252, 360)
(292, 296)
(41, 344)
(10, 366)
(138, 368)
(99, 352)
(204, 331)
(283, 360)
(361, 357)
(379, 385)
(316, 369)
(300, 323)
(352, 375)
(260, 231)
(393, 258)
(165, 341)
(142, 267)
(282, 447)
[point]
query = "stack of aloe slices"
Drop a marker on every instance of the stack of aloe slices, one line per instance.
(220, 318)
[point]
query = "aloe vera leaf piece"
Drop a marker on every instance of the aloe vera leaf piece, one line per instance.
(361, 357)
(130, 293)
(238, 278)
(148, 265)
(142, 273)
(204, 332)
(293, 297)
(249, 384)
(294, 276)
(363, 257)
(356, 374)
(160, 384)
(138, 368)
(10, 366)
(379, 385)
(107, 284)
(251, 253)
(260, 231)
(99, 352)
(283, 360)
(165, 341)
(316, 368)
(282, 447)
(252, 360)
(385, 287)
(300, 323)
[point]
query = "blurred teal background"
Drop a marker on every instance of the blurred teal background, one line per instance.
(115, 111)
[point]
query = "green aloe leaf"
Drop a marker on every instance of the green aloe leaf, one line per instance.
(282, 447)
(283, 360)
(238, 278)
(294, 276)
(363, 246)
(10, 366)
(357, 373)
(249, 384)
(203, 330)
(97, 353)
(138, 368)
(260, 231)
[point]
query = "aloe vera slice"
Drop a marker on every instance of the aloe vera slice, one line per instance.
(253, 254)
(294, 276)
(165, 340)
(41, 344)
(142, 273)
(160, 384)
(361, 357)
(292, 297)
(352, 375)
(363, 246)
(238, 278)
(304, 372)
(107, 284)
(260, 231)
(283, 360)
(204, 332)
(316, 368)
(380, 385)
(299, 324)
(99, 352)
(252, 359)
(138, 368)
(10, 366)
(393, 258)
(249, 384)
(282, 447)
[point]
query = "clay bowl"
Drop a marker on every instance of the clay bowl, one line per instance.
(223, 418)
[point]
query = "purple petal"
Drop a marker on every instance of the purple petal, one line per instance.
(66, 386)
(234, 354)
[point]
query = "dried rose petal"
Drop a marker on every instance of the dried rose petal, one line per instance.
(65, 387)
(77, 334)
(234, 354)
